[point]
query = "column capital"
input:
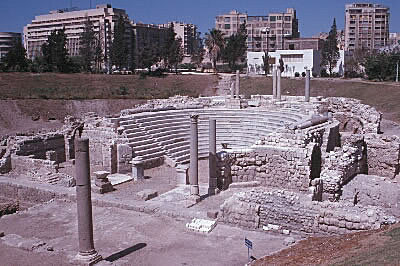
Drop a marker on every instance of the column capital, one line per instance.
(194, 118)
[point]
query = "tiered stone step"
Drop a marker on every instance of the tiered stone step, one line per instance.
(168, 132)
(142, 144)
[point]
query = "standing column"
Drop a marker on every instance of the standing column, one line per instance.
(232, 89)
(237, 83)
(194, 157)
(87, 253)
(274, 83)
(212, 158)
(307, 89)
(278, 84)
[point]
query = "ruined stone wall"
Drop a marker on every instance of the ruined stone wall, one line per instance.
(341, 165)
(273, 166)
(26, 165)
(354, 116)
(283, 159)
(287, 210)
(103, 140)
(38, 145)
(383, 155)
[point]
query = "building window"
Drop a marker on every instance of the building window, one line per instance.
(292, 58)
(227, 26)
(227, 19)
(272, 18)
(287, 18)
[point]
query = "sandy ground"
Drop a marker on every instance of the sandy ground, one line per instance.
(125, 238)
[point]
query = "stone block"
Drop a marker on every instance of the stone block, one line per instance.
(212, 214)
(147, 194)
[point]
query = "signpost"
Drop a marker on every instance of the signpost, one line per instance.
(249, 246)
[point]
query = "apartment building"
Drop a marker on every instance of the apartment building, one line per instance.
(394, 38)
(187, 33)
(304, 44)
(366, 26)
(7, 40)
(103, 17)
(263, 32)
(146, 34)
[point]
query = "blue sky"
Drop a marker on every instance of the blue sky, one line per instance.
(314, 15)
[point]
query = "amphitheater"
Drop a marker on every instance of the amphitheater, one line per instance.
(314, 167)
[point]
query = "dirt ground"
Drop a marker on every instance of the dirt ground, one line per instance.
(124, 238)
(378, 247)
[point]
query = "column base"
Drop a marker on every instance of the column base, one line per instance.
(213, 191)
(194, 190)
(88, 258)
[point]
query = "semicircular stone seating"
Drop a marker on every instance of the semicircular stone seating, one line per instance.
(167, 133)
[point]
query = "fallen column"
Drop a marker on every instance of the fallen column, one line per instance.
(194, 157)
(87, 252)
(212, 158)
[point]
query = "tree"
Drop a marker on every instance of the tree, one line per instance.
(176, 54)
(55, 53)
(330, 50)
(167, 52)
(98, 54)
(214, 43)
(119, 48)
(281, 65)
(266, 58)
(198, 51)
(148, 55)
(16, 60)
(235, 47)
(87, 47)
(381, 66)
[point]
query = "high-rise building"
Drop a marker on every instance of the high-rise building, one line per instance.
(187, 33)
(366, 26)
(103, 18)
(147, 35)
(394, 38)
(7, 40)
(263, 32)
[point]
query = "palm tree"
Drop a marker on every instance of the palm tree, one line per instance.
(215, 43)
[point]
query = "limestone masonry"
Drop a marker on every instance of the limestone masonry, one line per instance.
(320, 166)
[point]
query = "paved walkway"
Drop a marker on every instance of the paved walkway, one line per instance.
(125, 237)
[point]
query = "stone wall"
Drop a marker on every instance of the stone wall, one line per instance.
(103, 140)
(341, 165)
(354, 116)
(383, 155)
(273, 166)
(287, 159)
(26, 165)
(38, 145)
(286, 210)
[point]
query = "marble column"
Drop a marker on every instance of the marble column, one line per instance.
(307, 87)
(274, 83)
(194, 157)
(237, 83)
(278, 84)
(87, 252)
(212, 158)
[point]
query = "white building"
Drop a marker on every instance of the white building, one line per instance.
(103, 18)
(187, 32)
(7, 40)
(295, 61)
